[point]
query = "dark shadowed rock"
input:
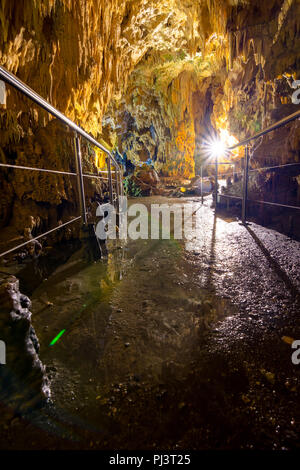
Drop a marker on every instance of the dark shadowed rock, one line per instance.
(23, 381)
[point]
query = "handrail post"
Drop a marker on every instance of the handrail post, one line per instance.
(201, 184)
(80, 184)
(216, 184)
(110, 188)
(245, 185)
(121, 183)
(117, 189)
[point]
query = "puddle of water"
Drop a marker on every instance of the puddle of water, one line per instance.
(142, 314)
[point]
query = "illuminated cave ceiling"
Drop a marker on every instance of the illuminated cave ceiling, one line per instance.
(212, 63)
(157, 75)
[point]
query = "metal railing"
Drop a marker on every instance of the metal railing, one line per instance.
(247, 170)
(115, 190)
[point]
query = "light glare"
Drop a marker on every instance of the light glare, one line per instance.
(217, 148)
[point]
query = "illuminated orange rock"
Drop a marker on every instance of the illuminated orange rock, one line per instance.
(164, 73)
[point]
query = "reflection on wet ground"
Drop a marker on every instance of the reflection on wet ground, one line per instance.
(169, 343)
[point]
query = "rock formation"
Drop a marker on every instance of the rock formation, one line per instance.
(152, 79)
(23, 381)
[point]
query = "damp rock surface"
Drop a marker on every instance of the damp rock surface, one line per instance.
(24, 385)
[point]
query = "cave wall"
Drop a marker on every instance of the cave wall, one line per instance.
(238, 69)
(69, 52)
(78, 55)
(152, 79)
(157, 118)
(24, 384)
(263, 63)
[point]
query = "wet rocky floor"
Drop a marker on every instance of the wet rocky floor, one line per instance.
(171, 344)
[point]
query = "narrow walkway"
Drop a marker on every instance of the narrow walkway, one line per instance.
(174, 344)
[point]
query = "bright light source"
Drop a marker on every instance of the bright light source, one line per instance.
(217, 148)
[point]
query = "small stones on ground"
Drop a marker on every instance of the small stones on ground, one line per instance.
(246, 399)
(253, 315)
(127, 345)
(270, 376)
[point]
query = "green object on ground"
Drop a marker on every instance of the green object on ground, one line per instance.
(57, 337)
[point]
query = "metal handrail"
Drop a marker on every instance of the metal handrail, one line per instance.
(271, 128)
(245, 142)
(42, 235)
(286, 120)
(58, 172)
(277, 204)
(12, 80)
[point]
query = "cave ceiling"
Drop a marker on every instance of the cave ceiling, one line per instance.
(151, 78)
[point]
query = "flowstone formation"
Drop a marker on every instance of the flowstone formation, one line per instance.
(237, 76)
